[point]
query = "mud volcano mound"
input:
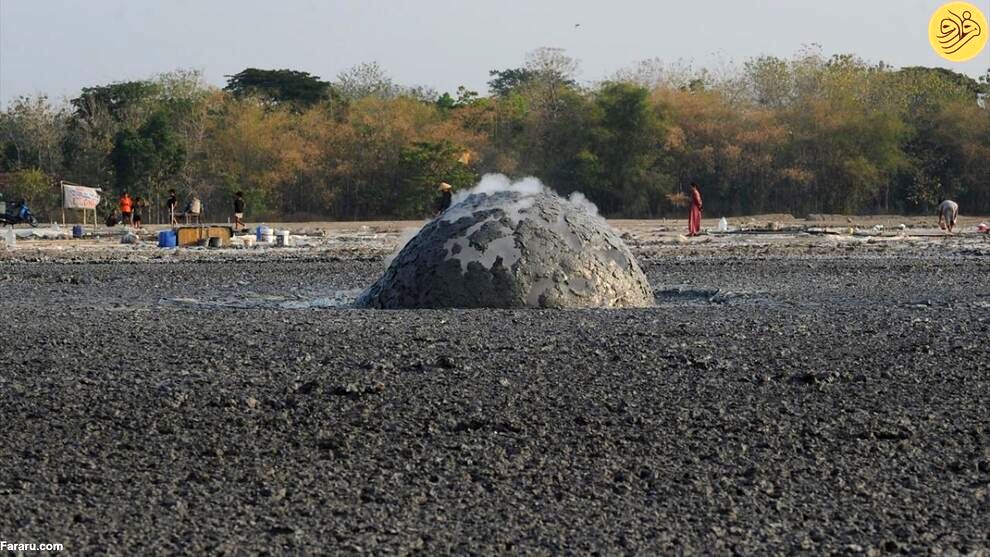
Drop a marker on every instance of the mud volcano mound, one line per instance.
(510, 249)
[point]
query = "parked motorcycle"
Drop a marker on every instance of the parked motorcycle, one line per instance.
(22, 215)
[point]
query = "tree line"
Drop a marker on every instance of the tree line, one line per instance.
(808, 134)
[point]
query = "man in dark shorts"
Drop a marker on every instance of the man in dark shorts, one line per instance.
(171, 203)
(139, 206)
(126, 205)
(239, 210)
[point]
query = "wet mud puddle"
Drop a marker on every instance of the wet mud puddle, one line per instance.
(255, 300)
(672, 295)
(680, 294)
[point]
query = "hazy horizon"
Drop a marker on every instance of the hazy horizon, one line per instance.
(56, 47)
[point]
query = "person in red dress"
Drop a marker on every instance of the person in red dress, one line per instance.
(694, 219)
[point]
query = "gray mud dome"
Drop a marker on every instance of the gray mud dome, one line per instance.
(512, 250)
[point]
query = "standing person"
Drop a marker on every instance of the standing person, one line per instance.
(126, 206)
(443, 201)
(139, 205)
(694, 218)
(171, 203)
(239, 210)
(948, 211)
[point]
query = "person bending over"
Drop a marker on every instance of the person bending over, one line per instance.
(948, 211)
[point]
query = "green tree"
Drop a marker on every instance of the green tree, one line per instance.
(119, 100)
(296, 88)
(854, 154)
(504, 82)
(99, 114)
(926, 100)
(544, 122)
(31, 135)
(552, 135)
(628, 142)
(769, 81)
(948, 155)
(962, 84)
(465, 97)
(38, 189)
(145, 159)
(366, 80)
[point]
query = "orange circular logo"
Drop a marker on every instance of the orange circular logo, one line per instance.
(958, 31)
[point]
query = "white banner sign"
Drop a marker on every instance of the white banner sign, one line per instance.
(80, 197)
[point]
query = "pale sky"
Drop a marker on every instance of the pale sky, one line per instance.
(59, 46)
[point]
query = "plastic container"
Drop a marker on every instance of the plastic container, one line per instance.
(268, 237)
(282, 238)
(167, 239)
(261, 232)
(77, 231)
(248, 241)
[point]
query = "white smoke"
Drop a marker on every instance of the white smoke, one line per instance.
(491, 183)
(530, 185)
(577, 198)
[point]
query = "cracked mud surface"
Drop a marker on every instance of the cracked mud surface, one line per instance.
(781, 403)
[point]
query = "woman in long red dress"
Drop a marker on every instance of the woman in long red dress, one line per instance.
(694, 219)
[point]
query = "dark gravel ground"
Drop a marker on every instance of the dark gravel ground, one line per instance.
(769, 404)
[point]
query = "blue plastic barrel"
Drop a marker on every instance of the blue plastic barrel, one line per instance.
(167, 239)
(77, 231)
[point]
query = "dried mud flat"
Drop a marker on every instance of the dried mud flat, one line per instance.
(790, 393)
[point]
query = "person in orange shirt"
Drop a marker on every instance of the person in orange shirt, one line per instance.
(126, 206)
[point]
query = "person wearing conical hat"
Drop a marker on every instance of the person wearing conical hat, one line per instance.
(443, 201)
